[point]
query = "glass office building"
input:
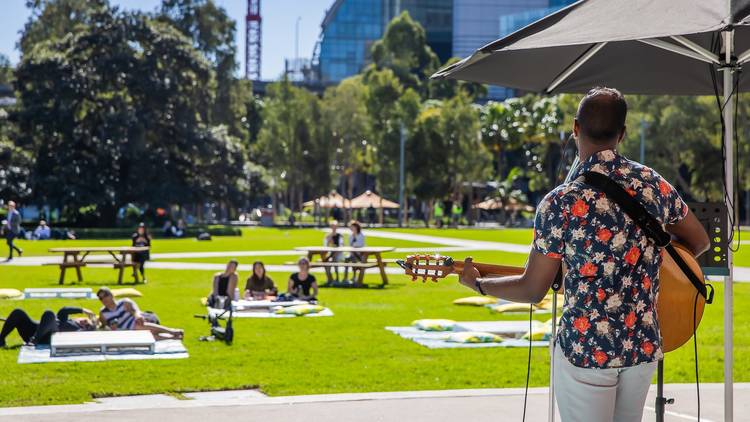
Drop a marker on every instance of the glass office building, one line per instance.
(351, 26)
(454, 28)
(479, 22)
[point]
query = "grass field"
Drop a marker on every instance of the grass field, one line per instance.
(350, 352)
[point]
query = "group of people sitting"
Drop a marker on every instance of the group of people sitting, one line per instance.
(336, 240)
(301, 285)
(123, 314)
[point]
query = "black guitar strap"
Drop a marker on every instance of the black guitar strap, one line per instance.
(648, 224)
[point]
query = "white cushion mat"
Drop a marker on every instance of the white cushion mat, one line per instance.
(438, 340)
(240, 305)
(59, 292)
(259, 313)
(165, 349)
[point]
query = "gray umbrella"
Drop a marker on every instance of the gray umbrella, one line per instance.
(678, 47)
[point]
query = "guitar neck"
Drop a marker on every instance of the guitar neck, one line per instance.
(490, 269)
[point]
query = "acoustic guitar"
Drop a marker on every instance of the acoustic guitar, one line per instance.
(675, 307)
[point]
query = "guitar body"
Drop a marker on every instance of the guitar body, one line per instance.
(675, 304)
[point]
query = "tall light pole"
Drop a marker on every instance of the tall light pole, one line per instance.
(401, 176)
(296, 44)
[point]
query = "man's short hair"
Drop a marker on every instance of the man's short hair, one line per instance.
(601, 114)
(105, 291)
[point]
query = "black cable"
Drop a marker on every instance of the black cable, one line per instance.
(695, 352)
(528, 363)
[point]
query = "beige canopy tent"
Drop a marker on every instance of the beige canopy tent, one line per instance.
(495, 204)
(332, 200)
(370, 198)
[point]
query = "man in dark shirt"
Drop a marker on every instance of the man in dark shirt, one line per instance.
(609, 340)
(41, 332)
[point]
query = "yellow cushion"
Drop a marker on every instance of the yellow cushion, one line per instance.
(204, 301)
(546, 303)
(299, 310)
(474, 337)
(539, 331)
(434, 324)
(10, 294)
(510, 307)
(126, 292)
(475, 301)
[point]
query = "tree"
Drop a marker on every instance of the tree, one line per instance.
(116, 113)
(6, 70)
(289, 143)
(54, 19)
(404, 50)
(344, 112)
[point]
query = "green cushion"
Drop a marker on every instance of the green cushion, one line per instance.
(434, 324)
(474, 337)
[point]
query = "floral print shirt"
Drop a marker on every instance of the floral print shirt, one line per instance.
(611, 285)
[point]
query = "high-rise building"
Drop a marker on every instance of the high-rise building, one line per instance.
(479, 22)
(351, 26)
(454, 28)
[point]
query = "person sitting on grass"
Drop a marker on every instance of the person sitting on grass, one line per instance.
(225, 283)
(302, 284)
(356, 240)
(40, 333)
(43, 231)
(259, 286)
(124, 314)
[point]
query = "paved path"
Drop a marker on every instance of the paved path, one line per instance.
(485, 405)
(446, 245)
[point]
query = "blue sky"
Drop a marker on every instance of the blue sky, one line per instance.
(279, 17)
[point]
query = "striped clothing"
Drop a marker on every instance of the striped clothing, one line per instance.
(120, 316)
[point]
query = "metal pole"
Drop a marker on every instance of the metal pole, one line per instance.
(729, 177)
(643, 140)
(401, 176)
(296, 47)
(553, 338)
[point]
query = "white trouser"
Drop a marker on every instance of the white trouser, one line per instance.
(601, 395)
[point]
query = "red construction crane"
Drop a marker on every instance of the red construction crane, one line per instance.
(252, 40)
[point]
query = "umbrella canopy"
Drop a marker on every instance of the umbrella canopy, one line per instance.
(664, 47)
(495, 204)
(332, 200)
(371, 198)
(615, 42)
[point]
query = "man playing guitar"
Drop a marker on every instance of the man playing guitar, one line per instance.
(609, 340)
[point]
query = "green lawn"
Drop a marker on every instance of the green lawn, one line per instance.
(350, 352)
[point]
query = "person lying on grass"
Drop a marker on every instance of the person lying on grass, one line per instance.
(302, 284)
(40, 332)
(259, 286)
(124, 314)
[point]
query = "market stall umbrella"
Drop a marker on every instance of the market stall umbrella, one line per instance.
(496, 204)
(370, 198)
(332, 200)
(640, 47)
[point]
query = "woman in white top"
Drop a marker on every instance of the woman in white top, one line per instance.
(356, 240)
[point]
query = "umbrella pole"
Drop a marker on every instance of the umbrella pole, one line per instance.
(552, 341)
(729, 178)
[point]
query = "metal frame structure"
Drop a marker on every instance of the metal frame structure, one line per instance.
(253, 38)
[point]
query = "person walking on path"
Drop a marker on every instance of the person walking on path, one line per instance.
(13, 229)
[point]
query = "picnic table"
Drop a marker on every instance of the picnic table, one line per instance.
(75, 257)
(326, 255)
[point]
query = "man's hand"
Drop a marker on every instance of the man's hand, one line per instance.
(89, 314)
(469, 275)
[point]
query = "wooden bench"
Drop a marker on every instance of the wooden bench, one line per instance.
(68, 264)
(102, 342)
(344, 264)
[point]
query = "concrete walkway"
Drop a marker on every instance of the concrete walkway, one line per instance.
(486, 405)
(446, 245)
